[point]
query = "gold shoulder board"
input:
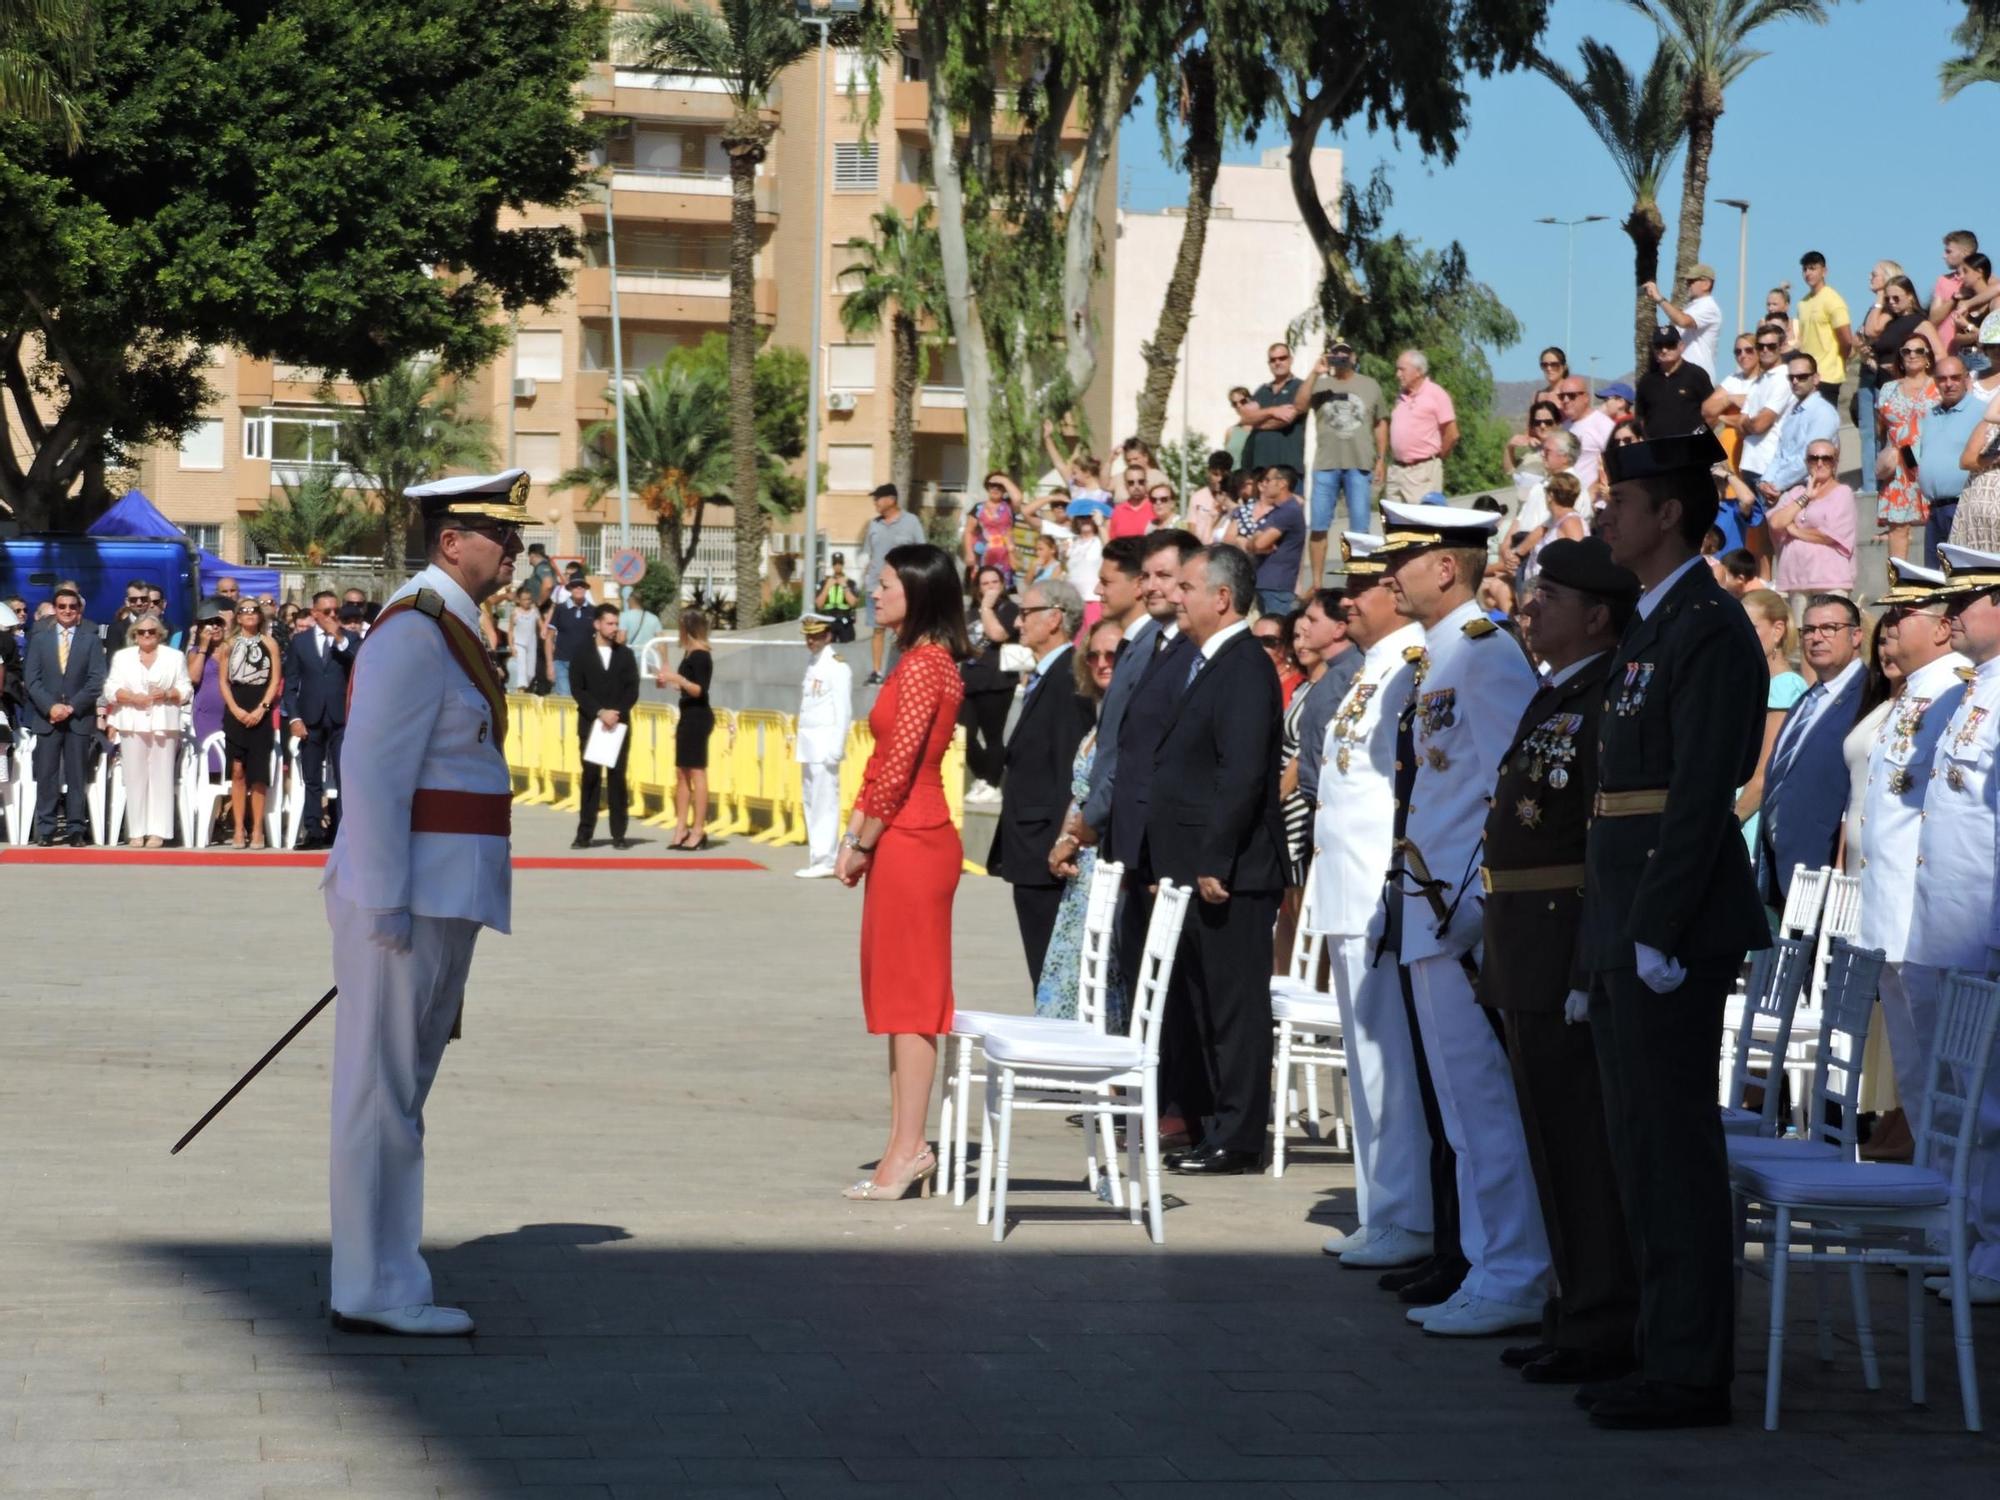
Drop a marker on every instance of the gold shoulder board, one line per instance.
(1476, 628)
(1967, 674)
(429, 602)
(1413, 654)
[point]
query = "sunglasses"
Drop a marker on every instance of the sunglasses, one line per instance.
(1762, 345)
(1552, 364)
(1279, 359)
(1271, 642)
(1100, 656)
(1543, 422)
(1743, 350)
(1953, 608)
(1819, 458)
(147, 631)
(1572, 396)
(1922, 350)
(1809, 378)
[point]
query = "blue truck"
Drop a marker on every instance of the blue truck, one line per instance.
(32, 566)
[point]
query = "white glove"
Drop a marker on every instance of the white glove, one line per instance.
(390, 930)
(1576, 1007)
(1467, 928)
(1657, 972)
(1378, 923)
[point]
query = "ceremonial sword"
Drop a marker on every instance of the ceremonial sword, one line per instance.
(261, 1063)
(1427, 887)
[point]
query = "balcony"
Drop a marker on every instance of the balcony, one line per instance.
(593, 391)
(913, 103)
(655, 295)
(649, 94)
(681, 195)
(941, 411)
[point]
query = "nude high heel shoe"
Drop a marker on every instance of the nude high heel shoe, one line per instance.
(922, 1170)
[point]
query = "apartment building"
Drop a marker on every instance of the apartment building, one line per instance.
(669, 204)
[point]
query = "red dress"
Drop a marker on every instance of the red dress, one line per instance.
(908, 890)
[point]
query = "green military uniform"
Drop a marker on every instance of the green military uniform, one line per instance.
(1682, 721)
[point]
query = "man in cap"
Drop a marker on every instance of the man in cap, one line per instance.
(1882, 847)
(1350, 446)
(1353, 831)
(1532, 972)
(1698, 320)
(1954, 926)
(419, 865)
(1670, 395)
(1670, 908)
(1471, 685)
(826, 713)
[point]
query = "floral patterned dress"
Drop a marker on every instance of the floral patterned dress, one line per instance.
(1901, 503)
(1056, 990)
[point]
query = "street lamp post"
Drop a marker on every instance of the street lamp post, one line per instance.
(1569, 281)
(1742, 207)
(811, 15)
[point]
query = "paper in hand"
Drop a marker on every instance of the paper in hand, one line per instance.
(602, 748)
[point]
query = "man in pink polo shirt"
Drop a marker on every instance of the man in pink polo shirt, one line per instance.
(1423, 428)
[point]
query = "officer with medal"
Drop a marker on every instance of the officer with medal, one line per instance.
(826, 713)
(1531, 972)
(1352, 833)
(421, 863)
(1670, 909)
(1470, 690)
(1882, 853)
(1954, 923)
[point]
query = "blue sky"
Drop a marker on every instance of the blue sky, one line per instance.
(1838, 139)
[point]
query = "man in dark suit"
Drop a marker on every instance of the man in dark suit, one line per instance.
(604, 677)
(1670, 909)
(1536, 826)
(1805, 783)
(1040, 764)
(318, 663)
(1119, 593)
(63, 674)
(1213, 824)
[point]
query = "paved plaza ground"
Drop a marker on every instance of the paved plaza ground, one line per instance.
(635, 1154)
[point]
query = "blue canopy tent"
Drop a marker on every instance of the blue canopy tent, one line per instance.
(134, 515)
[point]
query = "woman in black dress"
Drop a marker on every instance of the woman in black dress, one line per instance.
(249, 687)
(697, 720)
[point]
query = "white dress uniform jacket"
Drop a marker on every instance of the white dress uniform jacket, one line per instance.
(826, 710)
(417, 720)
(1469, 703)
(1892, 803)
(1952, 926)
(1355, 824)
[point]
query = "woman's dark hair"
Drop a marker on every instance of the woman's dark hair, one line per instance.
(1220, 462)
(1558, 353)
(1544, 406)
(1875, 688)
(930, 590)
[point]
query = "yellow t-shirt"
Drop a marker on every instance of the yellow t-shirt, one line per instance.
(1819, 315)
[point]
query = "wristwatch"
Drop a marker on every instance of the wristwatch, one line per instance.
(849, 841)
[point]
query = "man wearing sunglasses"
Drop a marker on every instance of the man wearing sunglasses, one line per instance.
(62, 674)
(1275, 416)
(134, 606)
(1808, 418)
(318, 663)
(1947, 427)
(421, 863)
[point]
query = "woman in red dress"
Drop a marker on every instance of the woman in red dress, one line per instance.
(901, 838)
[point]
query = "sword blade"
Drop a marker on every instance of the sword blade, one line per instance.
(261, 1063)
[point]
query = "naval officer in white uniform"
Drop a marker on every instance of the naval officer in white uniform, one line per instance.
(1472, 687)
(420, 864)
(1352, 832)
(1952, 924)
(826, 713)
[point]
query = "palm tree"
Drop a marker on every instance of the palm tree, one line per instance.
(411, 426)
(1642, 123)
(1203, 158)
(1979, 35)
(898, 276)
(45, 45)
(677, 450)
(746, 44)
(317, 519)
(1710, 37)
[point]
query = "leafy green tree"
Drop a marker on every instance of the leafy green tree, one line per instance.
(1711, 39)
(411, 426)
(1185, 463)
(44, 46)
(898, 278)
(318, 518)
(332, 183)
(747, 45)
(1979, 35)
(1642, 123)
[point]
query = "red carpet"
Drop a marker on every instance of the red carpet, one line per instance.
(290, 860)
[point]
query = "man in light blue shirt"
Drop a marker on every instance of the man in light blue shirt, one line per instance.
(1947, 427)
(1809, 419)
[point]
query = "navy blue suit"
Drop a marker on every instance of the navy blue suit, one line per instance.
(62, 750)
(1805, 791)
(316, 680)
(1148, 712)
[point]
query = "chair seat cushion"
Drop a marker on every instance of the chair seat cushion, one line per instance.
(1740, 1121)
(1316, 1010)
(1080, 1049)
(1284, 984)
(1780, 1148)
(983, 1022)
(1818, 1182)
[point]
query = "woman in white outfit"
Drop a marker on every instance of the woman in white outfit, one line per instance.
(147, 689)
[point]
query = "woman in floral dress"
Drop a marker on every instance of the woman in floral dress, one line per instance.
(1899, 417)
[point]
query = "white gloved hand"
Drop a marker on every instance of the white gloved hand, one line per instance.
(1466, 929)
(1377, 923)
(1576, 1007)
(390, 930)
(1657, 972)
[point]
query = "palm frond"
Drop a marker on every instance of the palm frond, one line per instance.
(745, 43)
(1640, 121)
(1980, 62)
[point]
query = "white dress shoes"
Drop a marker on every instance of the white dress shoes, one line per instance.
(1340, 1244)
(1387, 1250)
(426, 1320)
(1980, 1291)
(814, 872)
(1467, 1316)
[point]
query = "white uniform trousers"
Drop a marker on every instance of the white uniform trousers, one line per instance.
(390, 1027)
(1392, 1145)
(1909, 1010)
(1500, 1218)
(822, 799)
(146, 761)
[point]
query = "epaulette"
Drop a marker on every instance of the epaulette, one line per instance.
(1477, 627)
(1967, 674)
(429, 602)
(1413, 654)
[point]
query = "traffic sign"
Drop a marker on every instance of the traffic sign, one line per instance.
(628, 566)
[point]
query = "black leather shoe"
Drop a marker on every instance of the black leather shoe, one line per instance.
(1395, 1281)
(1655, 1406)
(78, 841)
(621, 842)
(1220, 1162)
(1174, 1160)
(1576, 1367)
(1437, 1287)
(1519, 1356)
(581, 841)
(310, 841)
(1588, 1396)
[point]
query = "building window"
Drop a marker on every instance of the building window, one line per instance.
(538, 354)
(201, 448)
(590, 545)
(913, 68)
(540, 453)
(850, 367)
(850, 467)
(204, 534)
(856, 167)
(850, 71)
(913, 165)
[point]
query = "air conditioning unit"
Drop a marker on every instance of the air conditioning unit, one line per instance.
(524, 387)
(840, 401)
